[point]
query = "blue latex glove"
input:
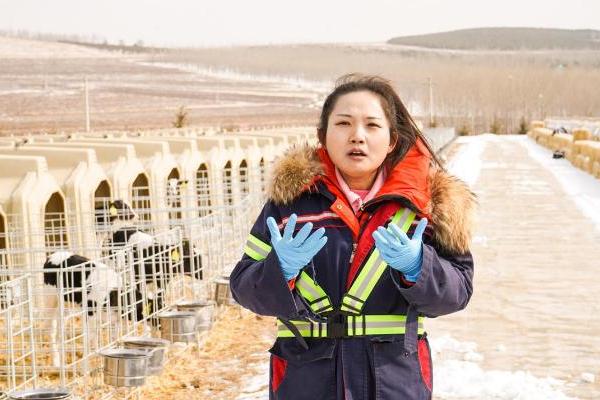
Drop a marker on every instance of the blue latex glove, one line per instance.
(400, 252)
(294, 253)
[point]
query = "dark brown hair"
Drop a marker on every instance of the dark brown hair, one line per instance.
(403, 129)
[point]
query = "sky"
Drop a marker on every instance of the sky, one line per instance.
(242, 22)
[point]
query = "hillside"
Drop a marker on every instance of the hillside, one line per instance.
(506, 39)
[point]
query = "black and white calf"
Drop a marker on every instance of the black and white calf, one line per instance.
(122, 230)
(113, 216)
(159, 264)
(72, 276)
(156, 258)
(175, 188)
(152, 262)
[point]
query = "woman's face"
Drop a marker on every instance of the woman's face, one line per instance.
(358, 137)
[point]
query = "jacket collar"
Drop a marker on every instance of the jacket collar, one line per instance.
(408, 179)
(444, 199)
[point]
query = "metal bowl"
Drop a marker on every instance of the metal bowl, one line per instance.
(41, 394)
(157, 348)
(125, 367)
(178, 326)
(223, 291)
(204, 311)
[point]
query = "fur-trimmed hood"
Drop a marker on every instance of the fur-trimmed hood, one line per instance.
(450, 204)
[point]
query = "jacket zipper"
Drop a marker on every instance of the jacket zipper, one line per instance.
(354, 246)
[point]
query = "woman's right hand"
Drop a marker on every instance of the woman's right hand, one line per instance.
(294, 253)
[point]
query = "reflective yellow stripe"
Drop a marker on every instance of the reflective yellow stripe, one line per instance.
(313, 293)
(375, 266)
(265, 246)
(256, 248)
(360, 325)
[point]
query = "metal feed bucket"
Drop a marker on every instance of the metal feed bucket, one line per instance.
(178, 326)
(41, 394)
(157, 348)
(222, 291)
(125, 367)
(204, 311)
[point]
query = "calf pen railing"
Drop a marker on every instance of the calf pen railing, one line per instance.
(17, 368)
(65, 322)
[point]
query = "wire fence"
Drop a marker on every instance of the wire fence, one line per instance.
(69, 290)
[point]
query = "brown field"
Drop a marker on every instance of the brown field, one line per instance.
(41, 84)
(45, 94)
(471, 88)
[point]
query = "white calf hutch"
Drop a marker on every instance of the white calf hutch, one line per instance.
(194, 187)
(161, 166)
(84, 184)
(124, 170)
(73, 309)
(225, 162)
(35, 209)
(261, 153)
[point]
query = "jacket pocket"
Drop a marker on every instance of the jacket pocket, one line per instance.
(396, 372)
(424, 353)
(278, 367)
(301, 374)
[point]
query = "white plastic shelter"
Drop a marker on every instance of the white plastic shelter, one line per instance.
(261, 152)
(160, 165)
(3, 238)
(230, 167)
(124, 170)
(196, 167)
(34, 207)
(84, 183)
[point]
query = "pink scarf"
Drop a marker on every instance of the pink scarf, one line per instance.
(356, 198)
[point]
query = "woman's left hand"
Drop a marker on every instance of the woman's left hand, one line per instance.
(400, 252)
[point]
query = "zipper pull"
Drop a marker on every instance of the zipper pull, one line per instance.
(354, 245)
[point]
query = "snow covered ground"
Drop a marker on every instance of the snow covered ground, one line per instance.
(25, 48)
(581, 186)
(458, 375)
(457, 365)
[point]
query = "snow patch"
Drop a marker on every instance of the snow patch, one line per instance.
(466, 163)
(582, 187)
(465, 379)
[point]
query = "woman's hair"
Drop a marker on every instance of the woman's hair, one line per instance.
(403, 129)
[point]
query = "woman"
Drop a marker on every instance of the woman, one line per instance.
(358, 267)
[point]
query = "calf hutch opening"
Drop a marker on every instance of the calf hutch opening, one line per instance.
(173, 192)
(203, 190)
(102, 194)
(243, 178)
(227, 185)
(261, 171)
(3, 241)
(140, 198)
(3, 244)
(102, 199)
(55, 224)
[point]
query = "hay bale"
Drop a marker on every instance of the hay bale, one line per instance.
(594, 154)
(585, 154)
(581, 134)
(537, 124)
(596, 169)
(561, 141)
(587, 165)
(542, 136)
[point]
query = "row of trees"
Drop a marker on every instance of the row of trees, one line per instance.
(498, 91)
